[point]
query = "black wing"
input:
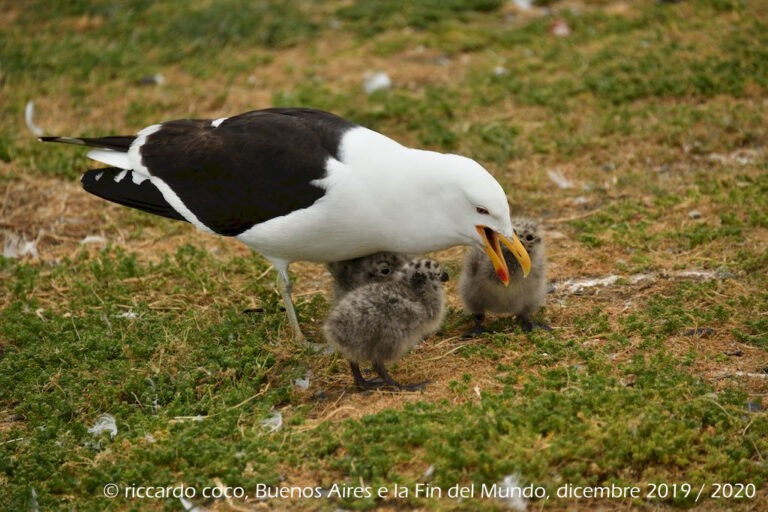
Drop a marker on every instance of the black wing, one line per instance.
(115, 142)
(102, 183)
(250, 168)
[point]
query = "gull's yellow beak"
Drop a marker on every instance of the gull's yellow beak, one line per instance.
(492, 248)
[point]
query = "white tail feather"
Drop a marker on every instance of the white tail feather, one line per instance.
(110, 157)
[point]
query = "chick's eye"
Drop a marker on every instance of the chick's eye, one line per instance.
(384, 271)
(481, 210)
(529, 237)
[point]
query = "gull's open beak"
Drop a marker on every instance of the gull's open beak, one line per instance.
(492, 248)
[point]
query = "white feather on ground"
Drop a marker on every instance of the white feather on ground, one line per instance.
(376, 82)
(303, 383)
(33, 506)
(273, 423)
(104, 423)
(93, 239)
(512, 487)
(16, 247)
(523, 5)
(29, 118)
(191, 507)
(559, 180)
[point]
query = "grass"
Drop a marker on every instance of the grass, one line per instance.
(650, 110)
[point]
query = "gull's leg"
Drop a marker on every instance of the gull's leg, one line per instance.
(284, 283)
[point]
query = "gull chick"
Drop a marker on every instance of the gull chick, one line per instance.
(482, 292)
(350, 274)
(379, 322)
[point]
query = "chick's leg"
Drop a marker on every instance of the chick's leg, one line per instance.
(361, 382)
(477, 330)
(527, 325)
(387, 378)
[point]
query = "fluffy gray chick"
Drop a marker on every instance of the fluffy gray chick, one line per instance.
(379, 322)
(350, 274)
(481, 291)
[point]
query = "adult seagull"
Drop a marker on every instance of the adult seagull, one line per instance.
(303, 184)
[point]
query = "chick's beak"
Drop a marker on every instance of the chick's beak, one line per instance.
(492, 248)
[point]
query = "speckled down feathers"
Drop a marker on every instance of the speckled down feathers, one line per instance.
(480, 289)
(379, 322)
(350, 274)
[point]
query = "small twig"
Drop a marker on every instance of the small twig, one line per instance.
(725, 375)
(93, 290)
(249, 399)
(75, 327)
(568, 219)
(721, 408)
(759, 455)
(446, 340)
(326, 418)
(261, 276)
(228, 499)
(457, 347)
(12, 441)
(334, 403)
(182, 419)
(305, 294)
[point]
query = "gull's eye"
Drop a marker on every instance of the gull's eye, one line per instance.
(481, 210)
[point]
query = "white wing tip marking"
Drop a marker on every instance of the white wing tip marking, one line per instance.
(177, 204)
(110, 157)
(137, 178)
(134, 151)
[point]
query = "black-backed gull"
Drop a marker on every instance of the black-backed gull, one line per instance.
(303, 184)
